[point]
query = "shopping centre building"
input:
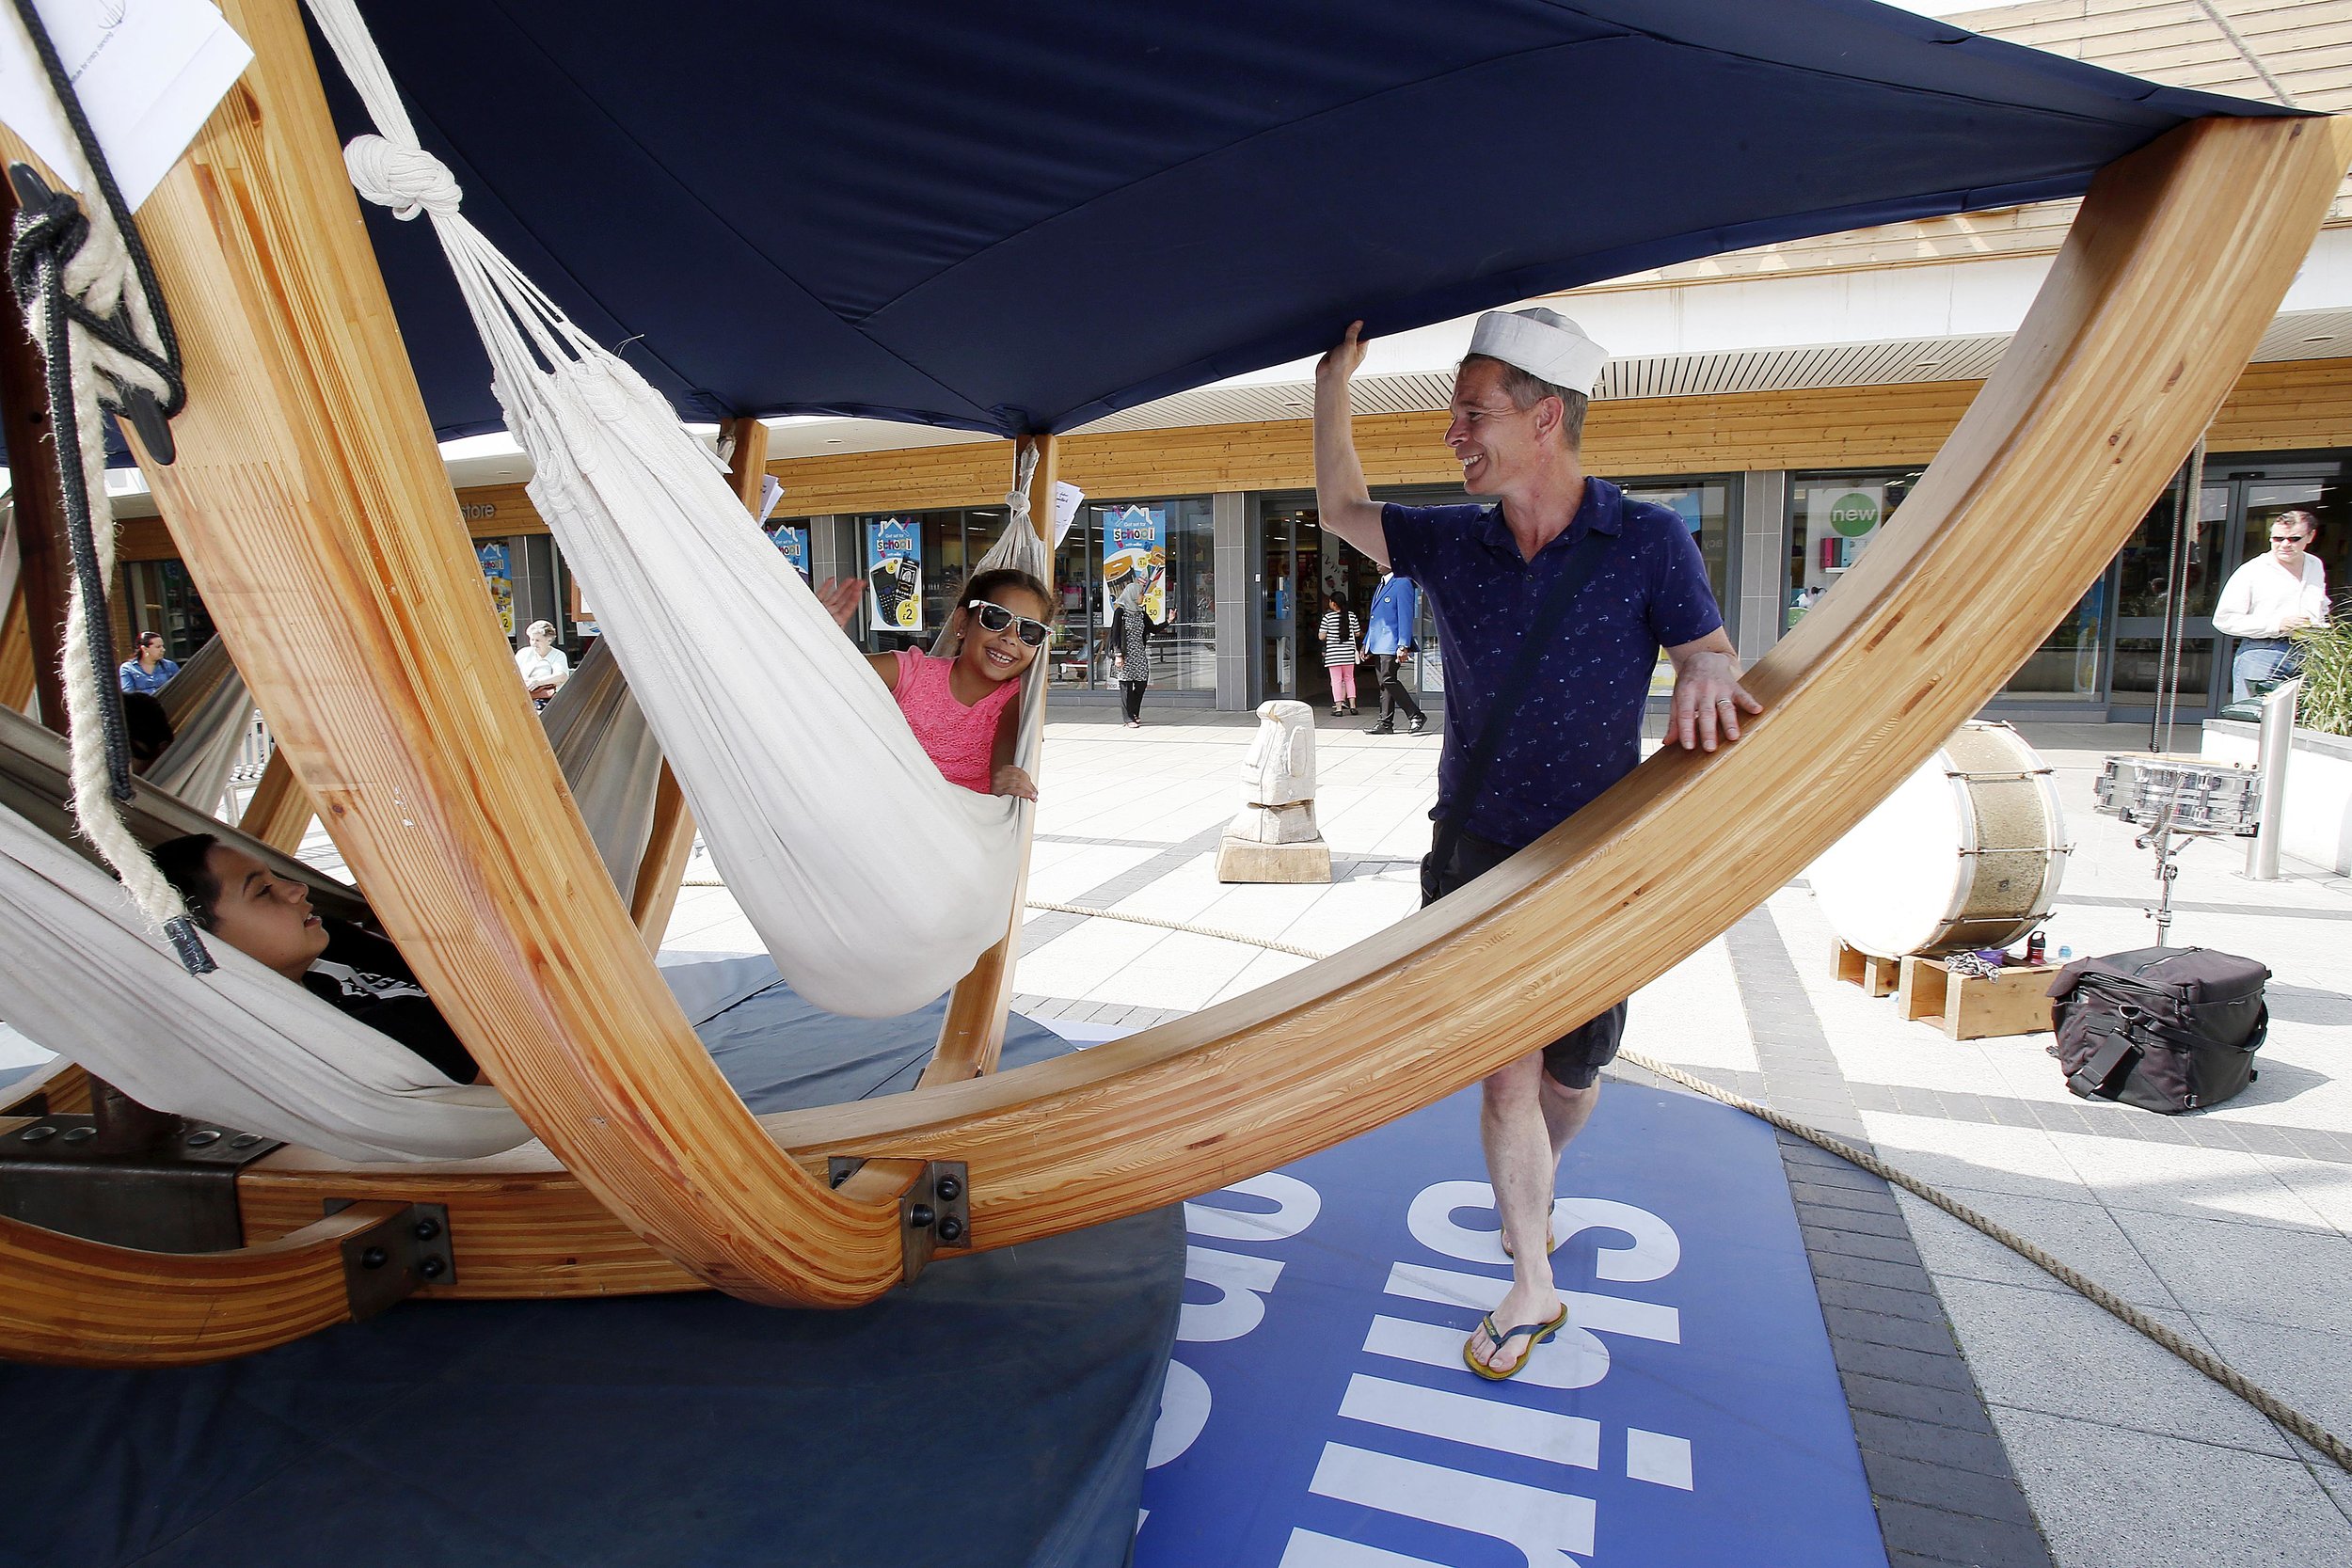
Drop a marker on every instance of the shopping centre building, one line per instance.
(1784, 399)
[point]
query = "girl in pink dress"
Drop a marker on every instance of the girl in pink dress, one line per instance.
(966, 711)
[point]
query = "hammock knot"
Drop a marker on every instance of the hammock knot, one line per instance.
(408, 180)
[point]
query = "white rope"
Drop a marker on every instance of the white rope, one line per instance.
(100, 276)
(2245, 51)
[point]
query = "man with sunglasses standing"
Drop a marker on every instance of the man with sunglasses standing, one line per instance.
(2270, 596)
(1551, 607)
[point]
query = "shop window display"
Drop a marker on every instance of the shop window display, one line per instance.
(1165, 547)
(1837, 516)
(1177, 556)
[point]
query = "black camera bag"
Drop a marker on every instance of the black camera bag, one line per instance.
(2167, 1029)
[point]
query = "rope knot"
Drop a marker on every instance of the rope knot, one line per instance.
(408, 180)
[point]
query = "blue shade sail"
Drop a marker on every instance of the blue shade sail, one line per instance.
(1021, 219)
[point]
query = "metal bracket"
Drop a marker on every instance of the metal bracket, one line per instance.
(936, 1211)
(394, 1258)
(176, 1194)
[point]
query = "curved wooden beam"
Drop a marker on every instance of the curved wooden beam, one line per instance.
(307, 481)
(314, 512)
(2137, 336)
(84, 1304)
(279, 811)
(972, 1036)
(2175, 264)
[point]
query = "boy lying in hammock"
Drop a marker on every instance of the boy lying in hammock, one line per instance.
(963, 710)
(236, 897)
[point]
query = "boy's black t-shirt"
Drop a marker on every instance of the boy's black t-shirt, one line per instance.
(365, 976)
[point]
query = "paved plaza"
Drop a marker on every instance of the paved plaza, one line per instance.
(2234, 1225)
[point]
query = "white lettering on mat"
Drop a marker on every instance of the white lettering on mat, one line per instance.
(1544, 1524)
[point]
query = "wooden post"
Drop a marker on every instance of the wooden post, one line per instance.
(668, 847)
(315, 515)
(45, 573)
(671, 844)
(16, 650)
(279, 812)
(972, 1036)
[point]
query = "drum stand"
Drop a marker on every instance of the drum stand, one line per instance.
(2165, 840)
(2160, 836)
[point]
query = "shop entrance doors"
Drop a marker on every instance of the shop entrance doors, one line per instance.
(1298, 569)
(1289, 662)
(2232, 527)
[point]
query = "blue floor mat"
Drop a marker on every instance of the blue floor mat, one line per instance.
(1319, 1415)
(997, 1413)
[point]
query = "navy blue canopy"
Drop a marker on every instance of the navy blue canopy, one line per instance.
(1021, 218)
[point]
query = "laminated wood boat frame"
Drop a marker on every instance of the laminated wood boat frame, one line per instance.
(312, 507)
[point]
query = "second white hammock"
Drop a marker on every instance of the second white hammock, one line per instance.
(873, 882)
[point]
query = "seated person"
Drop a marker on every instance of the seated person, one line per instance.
(268, 917)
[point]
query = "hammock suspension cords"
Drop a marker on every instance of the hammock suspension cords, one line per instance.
(90, 299)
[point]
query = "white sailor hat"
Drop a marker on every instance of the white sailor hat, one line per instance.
(1544, 343)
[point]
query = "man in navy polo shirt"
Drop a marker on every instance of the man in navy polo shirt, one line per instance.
(1517, 420)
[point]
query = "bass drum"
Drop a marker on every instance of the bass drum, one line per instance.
(1967, 853)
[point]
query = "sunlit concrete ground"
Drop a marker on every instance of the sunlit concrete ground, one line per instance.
(2231, 1225)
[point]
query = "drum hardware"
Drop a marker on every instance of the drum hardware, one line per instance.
(2175, 800)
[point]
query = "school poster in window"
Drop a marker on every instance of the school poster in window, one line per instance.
(793, 542)
(498, 571)
(1135, 549)
(894, 575)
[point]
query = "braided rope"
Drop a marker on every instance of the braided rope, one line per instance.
(2262, 1399)
(93, 308)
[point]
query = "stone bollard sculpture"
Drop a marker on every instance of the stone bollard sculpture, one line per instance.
(1275, 838)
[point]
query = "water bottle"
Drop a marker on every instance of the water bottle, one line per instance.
(2065, 955)
(2037, 948)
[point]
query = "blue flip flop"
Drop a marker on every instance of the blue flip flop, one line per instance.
(1538, 1333)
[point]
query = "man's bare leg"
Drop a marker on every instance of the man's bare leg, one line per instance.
(1526, 1120)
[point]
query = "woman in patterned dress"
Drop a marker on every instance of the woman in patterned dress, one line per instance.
(1131, 653)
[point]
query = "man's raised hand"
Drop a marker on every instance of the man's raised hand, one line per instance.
(1344, 355)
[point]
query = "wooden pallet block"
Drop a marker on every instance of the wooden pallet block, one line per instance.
(1876, 975)
(1972, 1006)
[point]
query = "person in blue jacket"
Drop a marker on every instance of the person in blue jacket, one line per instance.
(1389, 638)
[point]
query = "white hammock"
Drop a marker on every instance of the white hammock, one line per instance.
(610, 762)
(83, 973)
(210, 711)
(874, 883)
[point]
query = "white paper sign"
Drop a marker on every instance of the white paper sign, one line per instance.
(770, 492)
(148, 73)
(1068, 498)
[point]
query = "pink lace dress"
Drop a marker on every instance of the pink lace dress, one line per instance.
(963, 740)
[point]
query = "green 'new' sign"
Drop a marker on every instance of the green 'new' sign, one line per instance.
(1854, 514)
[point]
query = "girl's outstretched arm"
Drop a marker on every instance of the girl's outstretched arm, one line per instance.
(839, 596)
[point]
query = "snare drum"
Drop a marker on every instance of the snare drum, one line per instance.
(2200, 797)
(1967, 853)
